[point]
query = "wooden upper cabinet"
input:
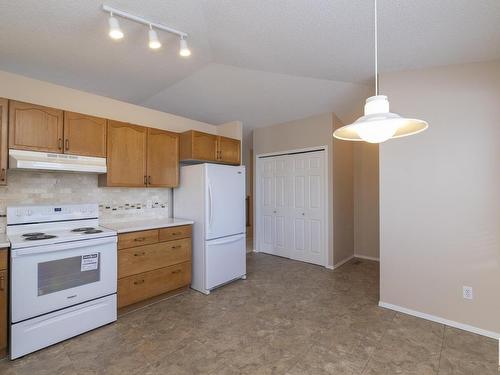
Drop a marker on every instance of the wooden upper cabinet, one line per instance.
(84, 135)
(229, 150)
(34, 127)
(126, 155)
(196, 145)
(199, 146)
(163, 158)
(4, 103)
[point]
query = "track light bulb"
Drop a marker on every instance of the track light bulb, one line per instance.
(184, 50)
(114, 28)
(154, 42)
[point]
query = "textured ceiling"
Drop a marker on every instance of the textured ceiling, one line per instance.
(259, 61)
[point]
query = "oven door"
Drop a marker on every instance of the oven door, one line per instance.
(51, 277)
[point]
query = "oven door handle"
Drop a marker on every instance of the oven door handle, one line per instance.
(44, 249)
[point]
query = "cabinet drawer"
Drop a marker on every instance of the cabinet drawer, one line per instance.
(174, 233)
(133, 239)
(149, 257)
(136, 288)
(4, 261)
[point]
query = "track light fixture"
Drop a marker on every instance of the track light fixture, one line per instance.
(184, 51)
(153, 41)
(114, 28)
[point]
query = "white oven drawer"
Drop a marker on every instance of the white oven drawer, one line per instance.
(40, 332)
(52, 277)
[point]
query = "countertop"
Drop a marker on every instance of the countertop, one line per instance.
(4, 242)
(135, 224)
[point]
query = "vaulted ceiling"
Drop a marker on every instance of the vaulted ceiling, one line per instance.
(259, 61)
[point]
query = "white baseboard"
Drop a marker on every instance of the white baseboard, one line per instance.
(366, 257)
(438, 319)
(329, 266)
(342, 262)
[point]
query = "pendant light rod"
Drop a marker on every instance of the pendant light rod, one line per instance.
(132, 17)
(376, 50)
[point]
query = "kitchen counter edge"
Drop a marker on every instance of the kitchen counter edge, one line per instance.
(144, 224)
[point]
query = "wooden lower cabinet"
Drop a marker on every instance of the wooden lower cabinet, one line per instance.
(150, 257)
(4, 287)
(134, 239)
(149, 284)
(151, 264)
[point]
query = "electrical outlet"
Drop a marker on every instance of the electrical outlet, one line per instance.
(468, 293)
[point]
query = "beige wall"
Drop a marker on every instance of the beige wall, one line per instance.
(343, 199)
(310, 132)
(439, 195)
(13, 86)
(366, 200)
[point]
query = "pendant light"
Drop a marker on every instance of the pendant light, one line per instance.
(378, 124)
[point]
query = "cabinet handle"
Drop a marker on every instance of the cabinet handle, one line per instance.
(2, 283)
(176, 233)
(60, 143)
(220, 154)
(149, 180)
(176, 247)
(139, 254)
(138, 282)
(66, 144)
(2, 174)
(176, 271)
(140, 239)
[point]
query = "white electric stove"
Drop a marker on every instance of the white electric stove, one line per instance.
(63, 274)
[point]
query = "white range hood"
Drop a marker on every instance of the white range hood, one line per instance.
(32, 160)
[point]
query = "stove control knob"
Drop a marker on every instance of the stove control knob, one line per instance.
(29, 212)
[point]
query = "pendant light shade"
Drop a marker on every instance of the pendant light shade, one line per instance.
(378, 124)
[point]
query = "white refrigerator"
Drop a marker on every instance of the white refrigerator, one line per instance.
(213, 195)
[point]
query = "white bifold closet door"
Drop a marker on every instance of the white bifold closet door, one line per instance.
(292, 206)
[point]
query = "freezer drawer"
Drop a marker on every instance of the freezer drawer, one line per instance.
(225, 260)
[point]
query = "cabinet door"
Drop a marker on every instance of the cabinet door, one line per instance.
(3, 310)
(84, 135)
(163, 158)
(36, 128)
(199, 146)
(126, 157)
(3, 141)
(229, 150)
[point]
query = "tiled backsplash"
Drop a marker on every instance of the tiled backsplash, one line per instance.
(30, 187)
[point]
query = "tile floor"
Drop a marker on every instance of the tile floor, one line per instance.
(286, 318)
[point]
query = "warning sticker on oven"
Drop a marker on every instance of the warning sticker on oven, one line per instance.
(89, 262)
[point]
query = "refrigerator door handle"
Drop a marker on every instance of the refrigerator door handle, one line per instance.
(210, 207)
(226, 240)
